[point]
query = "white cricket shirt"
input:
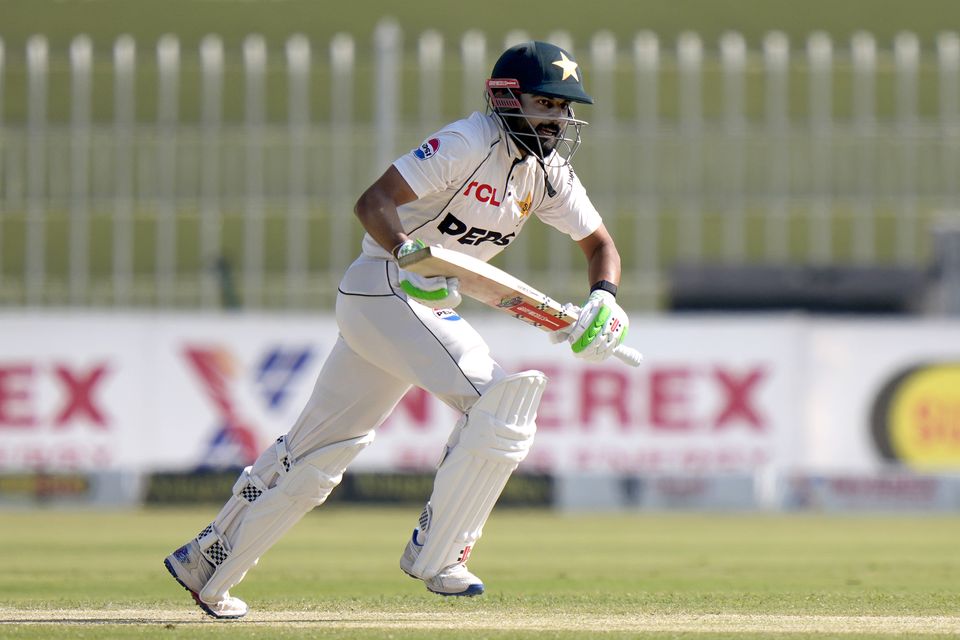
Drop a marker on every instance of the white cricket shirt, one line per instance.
(474, 193)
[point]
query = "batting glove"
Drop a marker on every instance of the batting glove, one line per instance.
(601, 326)
(437, 292)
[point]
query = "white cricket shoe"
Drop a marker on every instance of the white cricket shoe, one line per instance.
(188, 567)
(454, 580)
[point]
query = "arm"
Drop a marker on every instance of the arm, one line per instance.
(603, 259)
(377, 209)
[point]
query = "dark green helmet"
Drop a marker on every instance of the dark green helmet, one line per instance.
(543, 69)
(538, 69)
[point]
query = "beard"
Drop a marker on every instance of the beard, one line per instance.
(541, 141)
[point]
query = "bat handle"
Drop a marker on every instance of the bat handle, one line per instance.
(629, 355)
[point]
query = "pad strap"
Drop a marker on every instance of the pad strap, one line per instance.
(213, 545)
(299, 487)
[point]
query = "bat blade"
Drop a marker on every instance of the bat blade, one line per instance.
(501, 291)
(492, 286)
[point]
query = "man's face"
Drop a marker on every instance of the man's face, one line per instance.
(544, 117)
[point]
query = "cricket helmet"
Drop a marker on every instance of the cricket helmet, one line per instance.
(542, 69)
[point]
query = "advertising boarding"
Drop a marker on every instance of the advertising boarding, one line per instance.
(178, 392)
(714, 395)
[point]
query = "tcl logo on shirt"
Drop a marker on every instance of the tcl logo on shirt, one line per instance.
(483, 193)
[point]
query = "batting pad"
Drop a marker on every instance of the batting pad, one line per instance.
(495, 438)
(304, 486)
(214, 541)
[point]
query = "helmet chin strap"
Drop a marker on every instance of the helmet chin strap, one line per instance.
(546, 181)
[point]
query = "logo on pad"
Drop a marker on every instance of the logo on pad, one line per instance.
(446, 314)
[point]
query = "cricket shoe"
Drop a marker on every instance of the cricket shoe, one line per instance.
(454, 580)
(188, 567)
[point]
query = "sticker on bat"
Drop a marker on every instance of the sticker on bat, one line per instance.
(536, 317)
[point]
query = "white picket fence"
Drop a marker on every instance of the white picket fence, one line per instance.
(809, 151)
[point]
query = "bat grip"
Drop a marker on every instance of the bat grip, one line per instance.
(629, 355)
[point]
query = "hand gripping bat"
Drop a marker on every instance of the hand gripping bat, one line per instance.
(498, 289)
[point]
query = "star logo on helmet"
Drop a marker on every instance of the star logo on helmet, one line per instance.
(569, 67)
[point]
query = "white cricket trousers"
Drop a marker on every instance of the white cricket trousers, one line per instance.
(388, 343)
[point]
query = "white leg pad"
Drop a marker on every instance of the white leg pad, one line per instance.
(486, 448)
(300, 486)
(214, 540)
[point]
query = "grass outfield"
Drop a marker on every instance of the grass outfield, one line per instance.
(104, 19)
(906, 178)
(99, 574)
(148, 20)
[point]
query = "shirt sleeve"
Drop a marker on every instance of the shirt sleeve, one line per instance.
(570, 210)
(444, 160)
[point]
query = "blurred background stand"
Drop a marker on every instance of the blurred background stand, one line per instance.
(845, 289)
(945, 271)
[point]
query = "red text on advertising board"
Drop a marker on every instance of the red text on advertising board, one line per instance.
(76, 391)
(665, 399)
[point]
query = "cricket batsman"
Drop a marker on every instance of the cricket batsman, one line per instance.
(470, 187)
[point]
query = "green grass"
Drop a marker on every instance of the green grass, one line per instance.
(104, 19)
(608, 162)
(147, 20)
(335, 574)
(630, 229)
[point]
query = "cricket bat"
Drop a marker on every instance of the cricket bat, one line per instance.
(498, 289)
